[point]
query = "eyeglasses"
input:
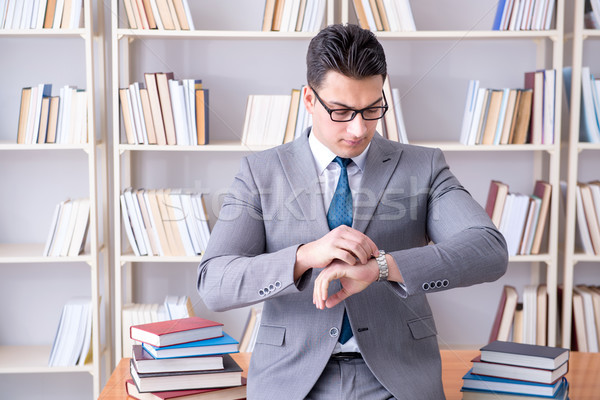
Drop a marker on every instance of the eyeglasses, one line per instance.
(347, 114)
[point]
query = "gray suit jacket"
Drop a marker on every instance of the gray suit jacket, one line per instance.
(409, 204)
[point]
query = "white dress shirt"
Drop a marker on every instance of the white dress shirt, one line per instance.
(329, 173)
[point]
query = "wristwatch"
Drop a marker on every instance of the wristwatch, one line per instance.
(383, 266)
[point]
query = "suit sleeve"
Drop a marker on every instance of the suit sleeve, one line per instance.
(465, 247)
(235, 270)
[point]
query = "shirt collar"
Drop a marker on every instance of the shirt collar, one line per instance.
(323, 156)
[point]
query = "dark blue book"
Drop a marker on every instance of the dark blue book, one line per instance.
(219, 345)
(514, 386)
(473, 394)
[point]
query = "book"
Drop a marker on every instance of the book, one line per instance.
(206, 347)
(496, 198)
(535, 80)
(528, 374)
(502, 385)
(543, 190)
(145, 363)
(202, 107)
(505, 314)
(177, 331)
(226, 393)
(230, 375)
(527, 355)
(520, 132)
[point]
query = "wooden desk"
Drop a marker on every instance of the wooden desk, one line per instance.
(583, 375)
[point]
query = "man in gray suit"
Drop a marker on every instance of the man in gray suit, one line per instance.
(341, 234)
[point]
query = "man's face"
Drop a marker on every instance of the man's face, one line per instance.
(345, 139)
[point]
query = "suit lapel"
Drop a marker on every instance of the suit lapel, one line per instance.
(298, 164)
(381, 163)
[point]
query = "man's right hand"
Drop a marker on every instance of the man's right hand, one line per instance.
(342, 243)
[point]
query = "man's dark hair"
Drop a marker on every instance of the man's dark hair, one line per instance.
(348, 49)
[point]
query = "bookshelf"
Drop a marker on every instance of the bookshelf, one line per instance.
(545, 159)
(230, 77)
(22, 246)
(578, 153)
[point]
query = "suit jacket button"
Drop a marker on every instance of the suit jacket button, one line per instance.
(272, 287)
(425, 286)
(334, 332)
(277, 284)
(445, 282)
(261, 293)
(438, 284)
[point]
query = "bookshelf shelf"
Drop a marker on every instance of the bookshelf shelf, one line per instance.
(84, 52)
(214, 146)
(129, 258)
(456, 146)
(32, 360)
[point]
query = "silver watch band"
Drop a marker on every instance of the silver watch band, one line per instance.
(383, 266)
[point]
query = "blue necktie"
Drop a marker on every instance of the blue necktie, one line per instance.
(340, 213)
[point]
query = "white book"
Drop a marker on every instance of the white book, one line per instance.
(56, 353)
(247, 118)
(137, 113)
(538, 14)
(302, 113)
(293, 19)
(505, 20)
(369, 14)
(184, 233)
(80, 229)
(61, 233)
(201, 218)
(188, 14)
(550, 13)
(76, 11)
(501, 116)
(286, 15)
(44, 90)
(406, 16)
(179, 113)
(190, 108)
(34, 14)
(136, 223)
(526, 15)
(64, 250)
(191, 222)
(6, 10)
(549, 106)
(159, 24)
(53, 228)
(87, 338)
(132, 111)
(595, 189)
(532, 222)
(519, 15)
(138, 216)
(80, 309)
(31, 114)
(41, 14)
(469, 110)
(529, 314)
(58, 12)
(319, 15)
(18, 12)
(152, 230)
(590, 318)
(504, 224)
(258, 120)
(517, 223)
(127, 226)
(472, 137)
(65, 127)
(392, 14)
(589, 127)
(26, 14)
(584, 233)
(308, 11)
(512, 23)
(399, 116)
(277, 119)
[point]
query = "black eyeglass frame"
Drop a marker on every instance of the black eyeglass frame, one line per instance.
(385, 108)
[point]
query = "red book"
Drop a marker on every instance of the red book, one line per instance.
(176, 331)
(228, 393)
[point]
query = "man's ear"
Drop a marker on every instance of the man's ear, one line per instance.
(308, 97)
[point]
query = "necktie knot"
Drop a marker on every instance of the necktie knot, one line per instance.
(342, 162)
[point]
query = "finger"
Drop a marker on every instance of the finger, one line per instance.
(344, 255)
(366, 242)
(336, 298)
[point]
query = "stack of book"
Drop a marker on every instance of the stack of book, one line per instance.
(40, 14)
(159, 14)
(165, 222)
(189, 354)
(44, 118)
(294, 15)
(589, 129)
(73, 337)
(523, 15)
(520, 218)
(507, 370)
(164, 111)
(511, 116)
(173, 307)
(68, 231)
(385, 15)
